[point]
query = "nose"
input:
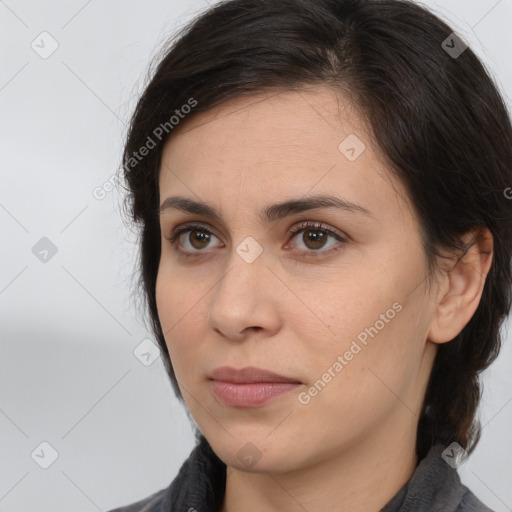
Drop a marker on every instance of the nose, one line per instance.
(244, 301)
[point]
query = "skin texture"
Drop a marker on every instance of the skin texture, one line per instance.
(353, 443)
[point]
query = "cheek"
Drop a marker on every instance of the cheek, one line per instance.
(182, 316)
(371, 377)
(373, 322)
(176, 297)
(345, 310)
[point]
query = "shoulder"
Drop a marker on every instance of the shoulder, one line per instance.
(149, 504)
(470, 503)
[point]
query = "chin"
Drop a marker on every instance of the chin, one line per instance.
(254, 454)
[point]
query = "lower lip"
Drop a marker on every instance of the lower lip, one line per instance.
(250, 395)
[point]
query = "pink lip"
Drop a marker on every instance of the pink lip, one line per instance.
(249, 386)
(248, 374)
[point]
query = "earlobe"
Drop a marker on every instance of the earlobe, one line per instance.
(462, 287)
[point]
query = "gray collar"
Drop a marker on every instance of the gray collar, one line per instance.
(434, 487)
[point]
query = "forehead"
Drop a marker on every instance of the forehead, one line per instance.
(275, 143)
(317, 118)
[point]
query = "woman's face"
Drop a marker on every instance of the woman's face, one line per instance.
(345, 315)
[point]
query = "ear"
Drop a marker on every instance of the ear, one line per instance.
(461, 287)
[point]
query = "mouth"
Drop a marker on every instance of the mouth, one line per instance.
(249, 386)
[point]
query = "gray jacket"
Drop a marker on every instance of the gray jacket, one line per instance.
(200, 485)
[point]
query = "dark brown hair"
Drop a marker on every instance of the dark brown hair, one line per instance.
(437, 117)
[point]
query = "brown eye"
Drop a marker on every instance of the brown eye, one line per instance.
(199, 239)
(316, 238)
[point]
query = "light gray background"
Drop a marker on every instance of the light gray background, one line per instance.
(68, 327)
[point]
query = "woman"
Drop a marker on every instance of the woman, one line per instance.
(326, 241)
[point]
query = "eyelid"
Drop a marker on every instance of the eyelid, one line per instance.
(297, 228)
(318, 225)
(304, 226)
(189, 226)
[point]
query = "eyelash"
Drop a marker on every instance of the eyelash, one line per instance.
(308, 225)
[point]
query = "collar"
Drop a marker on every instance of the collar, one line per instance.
(201, 483)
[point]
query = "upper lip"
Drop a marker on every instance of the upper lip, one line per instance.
(247, 375)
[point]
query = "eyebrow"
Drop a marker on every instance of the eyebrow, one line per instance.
(270, 213)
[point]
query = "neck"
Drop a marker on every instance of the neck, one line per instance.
(361, 477)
